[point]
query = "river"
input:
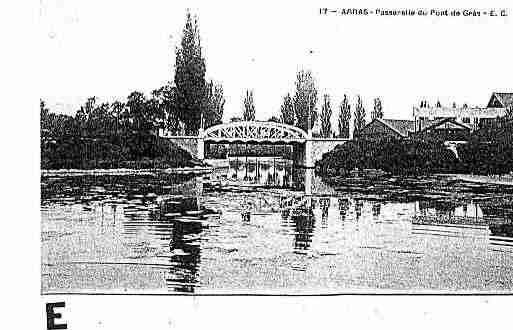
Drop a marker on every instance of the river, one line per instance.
(251, 230)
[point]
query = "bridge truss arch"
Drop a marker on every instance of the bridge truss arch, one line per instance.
(254, 132)
(306, 149)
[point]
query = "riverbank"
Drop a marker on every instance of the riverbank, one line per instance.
(197, 170)
(138, 151)
(490, 179)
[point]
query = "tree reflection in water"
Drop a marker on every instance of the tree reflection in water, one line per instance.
(304, 222)
(139, 224)
(343, 207)
(325, 205)
(358, 208)
(376, 210)
(184, 247)
(185, 257)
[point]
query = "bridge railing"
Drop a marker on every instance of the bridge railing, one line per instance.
(168, 134)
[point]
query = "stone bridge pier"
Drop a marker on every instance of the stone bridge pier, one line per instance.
(194, 145)
(307, 153)
(320, 146)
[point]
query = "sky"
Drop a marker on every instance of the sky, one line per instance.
(110, 48)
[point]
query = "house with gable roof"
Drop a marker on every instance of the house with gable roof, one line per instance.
(446, 129)
(500, 100)
(379, 129)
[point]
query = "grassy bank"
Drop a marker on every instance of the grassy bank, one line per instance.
(135, 151)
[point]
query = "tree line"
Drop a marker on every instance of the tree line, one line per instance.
(181, 106)
(126, 130)
(392, 155)
(488, 151)
(300, 109)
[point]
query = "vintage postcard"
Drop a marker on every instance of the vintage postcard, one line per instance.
(287, 149)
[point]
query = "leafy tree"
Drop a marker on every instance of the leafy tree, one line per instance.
(43, 118)
(137, 110)
(43, 110)
(489, 150)
(274, 119)
(395, 156)
(287, 110)
(249, 106)
(359, 116)
(305, 100)
(103, 135)
(190, 78)
(163, 102)
(215, 105)
(120, 118)
(377, 111)
(344, 118)
(84, 114)
(94, 118)
(326, 113)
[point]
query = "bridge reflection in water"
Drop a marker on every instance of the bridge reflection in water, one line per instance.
(314, 222)
(375, 224)
(204, 235)
(270, 172)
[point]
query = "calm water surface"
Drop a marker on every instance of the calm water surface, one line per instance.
(168, 234)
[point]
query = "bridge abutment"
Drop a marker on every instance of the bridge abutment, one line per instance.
(308, 157)
(201, 145)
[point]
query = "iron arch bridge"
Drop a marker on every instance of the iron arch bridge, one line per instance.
(307, 149)
(254, 132)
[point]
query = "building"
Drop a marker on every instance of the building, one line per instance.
(379, 129)
(500, 100)
(445, 129)
(448, 130)
(474, 117)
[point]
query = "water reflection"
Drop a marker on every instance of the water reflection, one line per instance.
(303, 219)
(358, 208)
(160, 232)
(267, 171)
(376, 210)
(343, 208)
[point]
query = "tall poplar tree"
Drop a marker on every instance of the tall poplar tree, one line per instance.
(359, 116)
(305, 100)
(215, 105)
(191, 96)
(344, 118)
(249, 106)
(377, 111)
(326, 113)
(287, 110)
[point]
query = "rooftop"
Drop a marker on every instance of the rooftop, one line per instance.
(403, 127)
(504, 99)
(432, 112)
